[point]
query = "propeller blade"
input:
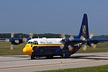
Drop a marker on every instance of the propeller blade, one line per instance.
(7, 40)
(82, 38)
(24, 39)
(62, 46)
(12, 34)
(31, 35)
(91, 35)
(71, 38)
(11, 47)
(63, 36)
(17, 41)
(70, 48)
(93, 45)
(84, 48)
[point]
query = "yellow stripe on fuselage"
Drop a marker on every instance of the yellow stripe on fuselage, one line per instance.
(46, 45)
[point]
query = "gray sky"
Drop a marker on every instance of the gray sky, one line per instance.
(53, 16)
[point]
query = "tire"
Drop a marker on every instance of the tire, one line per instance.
(49, 57)
(65, 56)
(33, 57)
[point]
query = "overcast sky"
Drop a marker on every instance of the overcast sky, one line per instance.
(53, 16)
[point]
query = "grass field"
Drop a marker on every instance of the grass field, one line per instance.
(5, 49)
(103, 68)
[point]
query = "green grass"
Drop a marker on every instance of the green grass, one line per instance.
(103, 68)
(102, 47)
(5, 49)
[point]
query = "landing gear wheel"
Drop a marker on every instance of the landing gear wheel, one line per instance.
(32, 57)
(49, 57)
(65, 56)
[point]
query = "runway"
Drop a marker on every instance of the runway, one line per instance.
(22, 63)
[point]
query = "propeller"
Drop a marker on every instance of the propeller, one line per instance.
(83, 38)
(93, 45)
(17, 40)
(87, 42)
(90, 43)
(71, 38)
(65, 44)
(84, 48)
(31, 35)
(12, 40)
(24, 39)
(70, 48)
(91, 35)
(63, 36)
(12, 34)
(7, 40)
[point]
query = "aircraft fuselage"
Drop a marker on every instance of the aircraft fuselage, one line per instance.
(48, 47)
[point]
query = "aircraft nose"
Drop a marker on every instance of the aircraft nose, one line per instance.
(27, 50)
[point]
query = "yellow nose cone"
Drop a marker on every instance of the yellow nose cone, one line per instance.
(27, 50)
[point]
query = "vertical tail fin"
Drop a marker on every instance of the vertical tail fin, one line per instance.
(84, 31)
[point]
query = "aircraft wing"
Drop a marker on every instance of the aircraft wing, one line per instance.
(2, 38)
(14, 39)
(93, 40)
(88, 41)
(99, 40)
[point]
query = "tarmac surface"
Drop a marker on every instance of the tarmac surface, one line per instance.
(22, 63)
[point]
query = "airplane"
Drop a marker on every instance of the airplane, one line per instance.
(64, 47)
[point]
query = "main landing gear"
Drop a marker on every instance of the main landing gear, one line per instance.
(65, 55)
(47, 57)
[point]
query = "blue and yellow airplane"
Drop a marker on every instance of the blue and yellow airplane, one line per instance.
(64, 47)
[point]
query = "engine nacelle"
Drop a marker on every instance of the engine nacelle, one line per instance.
(16, 42)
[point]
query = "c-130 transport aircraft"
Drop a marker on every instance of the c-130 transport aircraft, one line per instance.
(64, 47)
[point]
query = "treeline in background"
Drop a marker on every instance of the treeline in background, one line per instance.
(47, 35)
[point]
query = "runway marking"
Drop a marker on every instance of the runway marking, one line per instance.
(88, 61)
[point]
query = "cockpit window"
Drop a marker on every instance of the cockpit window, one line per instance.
(35, 42)
(29, 42)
